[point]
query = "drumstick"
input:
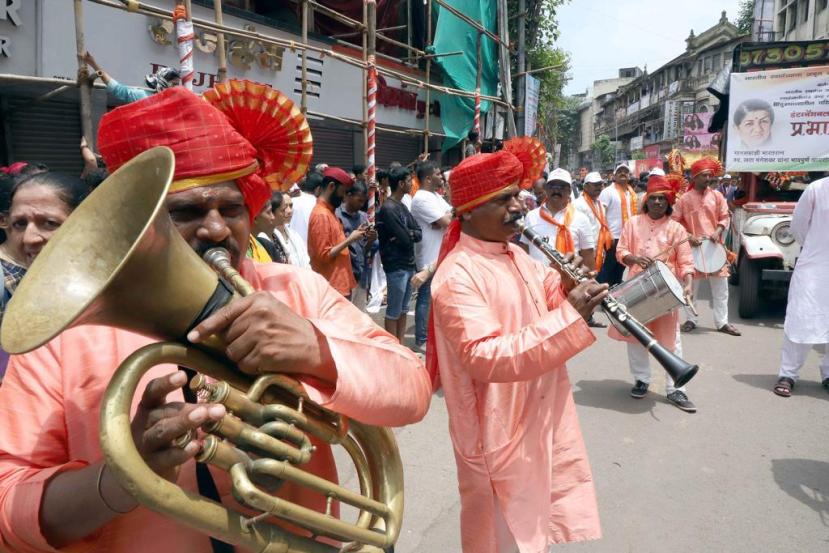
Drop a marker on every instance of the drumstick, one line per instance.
(689, 303)
(669, 248)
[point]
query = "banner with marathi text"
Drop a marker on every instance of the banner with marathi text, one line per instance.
(779, 120)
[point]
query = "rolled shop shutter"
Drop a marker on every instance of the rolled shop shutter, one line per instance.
(47, 132)
(396, 147)
(333, 145)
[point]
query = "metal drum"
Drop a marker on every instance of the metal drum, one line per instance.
(651, 294)
(709, 257)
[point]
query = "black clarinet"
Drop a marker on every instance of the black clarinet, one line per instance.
(679, 370)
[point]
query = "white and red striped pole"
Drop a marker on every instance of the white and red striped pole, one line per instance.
(184, 38)
(371, 100)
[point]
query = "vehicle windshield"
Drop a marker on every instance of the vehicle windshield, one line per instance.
(765, 191)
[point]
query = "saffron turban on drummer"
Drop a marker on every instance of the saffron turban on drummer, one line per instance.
(658, 184)
(221, 139)
(706, 164)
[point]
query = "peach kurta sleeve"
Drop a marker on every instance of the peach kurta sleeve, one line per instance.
(488, 353)
(379, 381)
(684, 257)
(723, 216)
(33, 447)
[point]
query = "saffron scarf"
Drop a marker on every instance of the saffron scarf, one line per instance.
(605, 239)
(622, 191)
(564, 238)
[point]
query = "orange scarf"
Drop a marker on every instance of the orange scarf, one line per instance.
(623, 200)
(605, 240)
(564, 238)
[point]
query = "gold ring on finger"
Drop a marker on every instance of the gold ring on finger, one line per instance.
(182, 441)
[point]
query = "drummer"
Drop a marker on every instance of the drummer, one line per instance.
(703, 212)
(647, 238)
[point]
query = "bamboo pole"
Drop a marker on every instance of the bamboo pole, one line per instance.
(476, 122)
(472, 22)
(304, 98)
(428, 76)
(83, 78)
(146, 9)
(221, 74)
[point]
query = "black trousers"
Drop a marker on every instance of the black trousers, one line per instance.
(612, 271)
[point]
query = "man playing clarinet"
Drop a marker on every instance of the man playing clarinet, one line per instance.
(503, 327)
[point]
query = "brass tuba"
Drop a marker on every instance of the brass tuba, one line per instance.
(119, 261)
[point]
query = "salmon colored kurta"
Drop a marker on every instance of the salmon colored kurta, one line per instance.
(701, 214)
(643, 236)
(502, 334)
(49, 408)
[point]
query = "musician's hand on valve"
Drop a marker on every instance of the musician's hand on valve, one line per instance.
(586, 297)
(158, 425)
(263, 335)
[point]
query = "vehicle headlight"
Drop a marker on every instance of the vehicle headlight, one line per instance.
(782, 234)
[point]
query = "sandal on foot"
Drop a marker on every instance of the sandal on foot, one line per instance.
(730, 329)
(784, 386)
(688, 326)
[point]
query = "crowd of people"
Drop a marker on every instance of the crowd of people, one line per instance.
(494, 321)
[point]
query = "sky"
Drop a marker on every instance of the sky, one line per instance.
(604, 35)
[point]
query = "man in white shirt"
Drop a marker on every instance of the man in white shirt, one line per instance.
(433, 214)
(305, 202)
(619, 200)
(558, 220)
(807, 311)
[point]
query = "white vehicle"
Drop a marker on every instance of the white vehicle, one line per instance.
(762, 239)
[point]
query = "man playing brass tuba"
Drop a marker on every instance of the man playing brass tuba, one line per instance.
(55, 489)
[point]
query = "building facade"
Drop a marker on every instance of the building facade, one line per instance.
(669, 107)
(801, 20)
(596, 96)
(38, 55)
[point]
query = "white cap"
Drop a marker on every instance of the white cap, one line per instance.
(592, 178)
(726, 176)
(621, 166)
(560, 174)
(656, 171)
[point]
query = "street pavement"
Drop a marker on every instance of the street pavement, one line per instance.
(747, 473)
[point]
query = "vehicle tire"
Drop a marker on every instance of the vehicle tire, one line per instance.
(749, 299)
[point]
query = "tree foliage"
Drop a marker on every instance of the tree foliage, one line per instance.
(605, 150)
(745, 16)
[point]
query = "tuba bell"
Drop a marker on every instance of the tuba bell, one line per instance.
(119, 261)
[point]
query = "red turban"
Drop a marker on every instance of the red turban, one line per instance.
(477, 180)
(706, 164)
(481, 177)
(208, 141)
(657, 184)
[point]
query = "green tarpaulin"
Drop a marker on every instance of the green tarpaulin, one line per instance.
(454, 34)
